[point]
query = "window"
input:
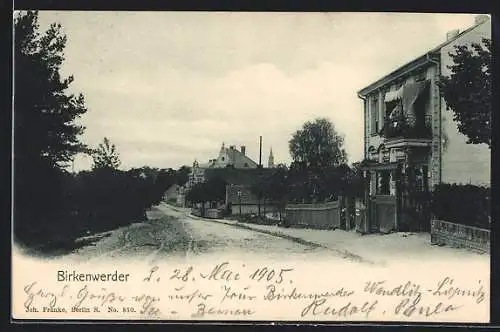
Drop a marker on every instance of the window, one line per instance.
(374, 116)
(222, 158)
(383, 182)
(422, 179)
(245, 165)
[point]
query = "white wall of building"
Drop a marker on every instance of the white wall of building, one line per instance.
(461, 162)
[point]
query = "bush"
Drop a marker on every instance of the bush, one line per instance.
(462, 204)
(71, 206)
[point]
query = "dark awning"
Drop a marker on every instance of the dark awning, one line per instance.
(408, 93)
(391, 96)
(411, 92)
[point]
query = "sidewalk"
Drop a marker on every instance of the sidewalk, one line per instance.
(371, 248)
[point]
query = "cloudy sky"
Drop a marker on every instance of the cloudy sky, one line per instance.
(169, 87)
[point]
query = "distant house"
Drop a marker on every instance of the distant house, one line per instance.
(233, 157)
(228, 157)
(171, 193)
(412, 143)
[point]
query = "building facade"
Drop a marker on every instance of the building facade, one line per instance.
(412, 143)
(228, 157)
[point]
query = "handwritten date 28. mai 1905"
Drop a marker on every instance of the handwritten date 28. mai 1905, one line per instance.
(237, 291)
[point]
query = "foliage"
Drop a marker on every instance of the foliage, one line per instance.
(317, 145)
(45, 112)
(106, 156)
(182, 175)
(307, 186)
(278, 188)
(462, 204)
(53, 206)
(468, 90)
(46, 134)
(213, 190)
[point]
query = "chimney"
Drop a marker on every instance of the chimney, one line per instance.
(452, 34)
(480, 19)
(243, 149)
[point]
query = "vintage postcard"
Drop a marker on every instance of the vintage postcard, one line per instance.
(251, 166)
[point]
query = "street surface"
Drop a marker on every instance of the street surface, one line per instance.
(173, 233)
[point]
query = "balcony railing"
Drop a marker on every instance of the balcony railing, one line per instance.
(399, 127)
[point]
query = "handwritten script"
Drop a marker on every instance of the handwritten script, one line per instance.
(230, 291)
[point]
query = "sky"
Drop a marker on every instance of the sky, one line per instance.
(170, 87)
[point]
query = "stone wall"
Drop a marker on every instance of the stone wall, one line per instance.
(459, 236)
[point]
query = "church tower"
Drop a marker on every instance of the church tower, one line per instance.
(270, 163)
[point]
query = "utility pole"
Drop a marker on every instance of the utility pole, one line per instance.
(260, 166)
(260, 152)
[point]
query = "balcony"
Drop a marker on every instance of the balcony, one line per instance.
(400, 128)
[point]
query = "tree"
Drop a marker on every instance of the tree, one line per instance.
(106, 156)
(467, 91)
(314, 148)
(44, 113)
(260, 188)
(317, 145)
(182, 175)
(213, 190)
(278, 188)
(46, 136)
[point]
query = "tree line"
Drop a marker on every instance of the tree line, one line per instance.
(53, 206)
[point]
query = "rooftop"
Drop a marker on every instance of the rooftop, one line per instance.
(426, 57)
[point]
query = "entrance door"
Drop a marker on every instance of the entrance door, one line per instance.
(386, 213)
(372, 207)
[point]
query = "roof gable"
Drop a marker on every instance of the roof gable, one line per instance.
(238, 159)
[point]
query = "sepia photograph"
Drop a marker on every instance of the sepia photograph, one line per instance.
(251, 166)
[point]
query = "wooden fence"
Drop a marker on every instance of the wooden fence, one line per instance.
(461, 236)
(208, 213)
(320, 216)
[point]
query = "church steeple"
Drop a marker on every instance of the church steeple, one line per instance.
(270, 162)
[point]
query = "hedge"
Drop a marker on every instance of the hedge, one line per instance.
(462, 204)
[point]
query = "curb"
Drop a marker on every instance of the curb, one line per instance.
(344, 253)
